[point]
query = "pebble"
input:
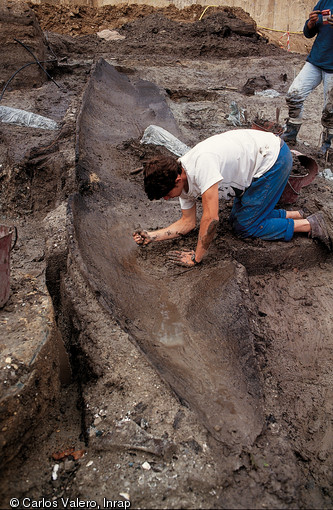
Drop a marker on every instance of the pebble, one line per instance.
(69, 465)
(322, 455)
(146, 466)
(55, 471)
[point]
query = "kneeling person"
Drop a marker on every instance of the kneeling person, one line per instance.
(251, 166)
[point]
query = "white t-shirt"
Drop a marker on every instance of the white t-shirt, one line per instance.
(232, 159)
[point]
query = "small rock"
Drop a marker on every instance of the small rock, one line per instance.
(146, 466)
(322, 455)
(55, 472)
(110, 35)
(144, 424)
(69, 465)
(124, 495)
(92, 431)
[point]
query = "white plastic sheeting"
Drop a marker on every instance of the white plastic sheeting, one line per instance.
(22, 118)
(159, 136)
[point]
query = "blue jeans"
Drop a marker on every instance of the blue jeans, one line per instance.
(253, 214)
(305, 82)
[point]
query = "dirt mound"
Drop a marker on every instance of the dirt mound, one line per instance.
(226, 32)
(84, 20)
(220, 35)
(80, 20)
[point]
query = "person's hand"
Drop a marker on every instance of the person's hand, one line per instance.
(182, 258)
(142, 237)
(313, 18)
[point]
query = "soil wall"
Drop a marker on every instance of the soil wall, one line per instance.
(274, 14)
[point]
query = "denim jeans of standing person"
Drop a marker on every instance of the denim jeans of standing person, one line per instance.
(253, 214)
(305, 82)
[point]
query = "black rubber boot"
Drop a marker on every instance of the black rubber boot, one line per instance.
(319, 229)
(327, 140)
(291, 131)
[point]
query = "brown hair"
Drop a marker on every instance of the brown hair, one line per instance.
(160, 174)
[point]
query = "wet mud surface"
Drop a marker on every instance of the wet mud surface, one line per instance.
(208, 388)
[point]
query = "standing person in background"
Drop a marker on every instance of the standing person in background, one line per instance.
(318, 68)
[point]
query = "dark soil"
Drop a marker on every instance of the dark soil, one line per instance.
(123, 406)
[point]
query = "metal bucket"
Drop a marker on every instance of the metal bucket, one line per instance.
(5, 249)
(296, 182)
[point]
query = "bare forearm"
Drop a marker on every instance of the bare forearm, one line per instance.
(177, 229)
(208, 227)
